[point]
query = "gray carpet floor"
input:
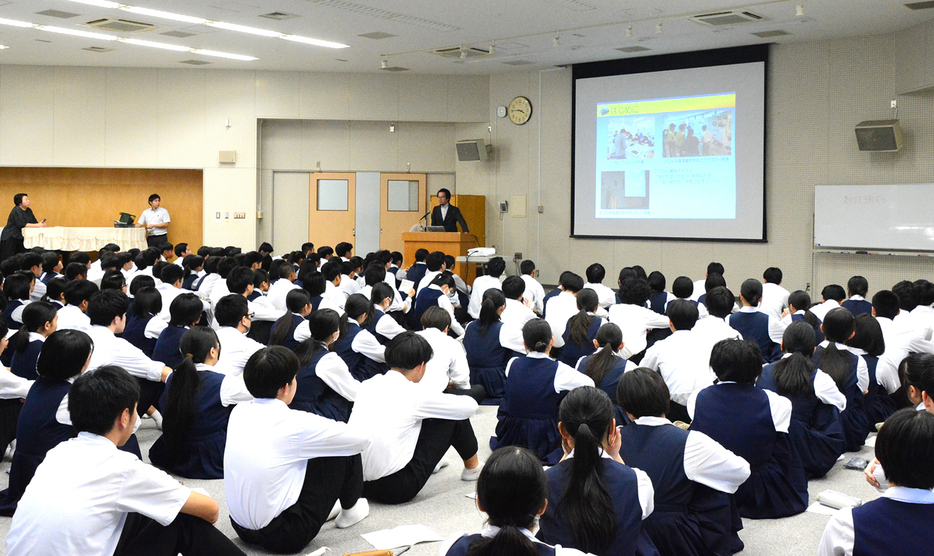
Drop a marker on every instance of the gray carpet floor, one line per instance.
(444, 506)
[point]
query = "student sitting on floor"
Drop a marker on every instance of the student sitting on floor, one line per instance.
(753, 324)
(514, 315)
(144, 327)
(410, 427)
(39, 321)
(512, 492)
(186, 312)
(605, 367)
(634, 318)
(868, 343)
(284, 469)
(447, 370)
(357, 346)
(325, 386)
(486, 354)
(595, 274)
(195, 406)
(534, 292)
(284, 331)
(857, 288)
(73, 315)
(582, 328)
(692, 474)
(234, 319)
(535, 386)
(17, 288)
(135, 508)
(598, 503)
(899, 522)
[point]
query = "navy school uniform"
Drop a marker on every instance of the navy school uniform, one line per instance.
(371, 327)
(7, 314)
(23, 363)
(48, 276)
(855, 422)
(610, 381)
(623, 485)
(254, 296)
(201, 455)
(462, 546)
(754, 326)
(38, 432)
(702, 300)
(166, 349)
(739, 417)
(290, 341)
(658, 301)
(815, 430)
(416, 273)
(426, 298)
(135, 333)
(315, 302)
(315, 396)
(878, 404)
(487, 359)
(361, 367)
(892, 527)
(571, 352)
(858, 307)
(799, 317)
(548, 296)
(190, 282)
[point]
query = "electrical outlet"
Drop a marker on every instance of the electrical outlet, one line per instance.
(217, 216)
(894, 104)
(808, 287)
(541, 209)
(517, 256)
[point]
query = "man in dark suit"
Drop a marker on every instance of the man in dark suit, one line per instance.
(446, 214)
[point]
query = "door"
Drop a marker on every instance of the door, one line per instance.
(289, 217)
(402, 204)
(331, 208)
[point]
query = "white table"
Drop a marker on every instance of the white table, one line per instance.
(61, 238)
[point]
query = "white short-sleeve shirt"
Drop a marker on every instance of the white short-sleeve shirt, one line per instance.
(157, 216)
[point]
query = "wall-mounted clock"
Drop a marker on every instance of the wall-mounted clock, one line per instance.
(520, 110)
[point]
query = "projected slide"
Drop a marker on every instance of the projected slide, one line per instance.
(666, 158)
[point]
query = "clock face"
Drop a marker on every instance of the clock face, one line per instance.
(520, 110)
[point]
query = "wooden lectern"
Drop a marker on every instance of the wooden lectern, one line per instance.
(450, 243)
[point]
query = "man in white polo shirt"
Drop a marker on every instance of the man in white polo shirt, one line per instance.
(156, 220)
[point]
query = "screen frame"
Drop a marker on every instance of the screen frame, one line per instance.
(666, 62)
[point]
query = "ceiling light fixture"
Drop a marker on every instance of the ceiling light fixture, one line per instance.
(658, 28)
(243, 29)
(227, 55)
(99, 3)
(163, 15)
(14, 23)
(151, 44)
(76, 33)
(799, 10)
(629, 31)
(315, 42)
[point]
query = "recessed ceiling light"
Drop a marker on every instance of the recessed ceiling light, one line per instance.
(195, 62)
(243, 29)
(162, 45)
(58, 13)
(99, 3)
(279, 16)
(315, 42)
(178, 34)
(377, 35)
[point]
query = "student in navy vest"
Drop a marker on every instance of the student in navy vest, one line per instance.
(51, 266)
(900, 521)
(659, 298)
(39, 321)
(692, 474)
(144, 327)
(857, 287)
(605, 367)
(196, 406)
(55, 292)
(752, 423)
(446, 214)
(325, 386)
(582, 328)
(360, 350)
(185, 312)
(436, 294)
(17, 288)
(298, 303)
(383, 326)
(192, 264)
(535, 386)
(868, 343)
(486, 355)
(512, 491)
(754, 324)
(816, 403)
(598, 502)
(849, 371)
(798, 310)
(419, 268)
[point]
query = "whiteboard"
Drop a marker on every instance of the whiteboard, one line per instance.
(895, 217)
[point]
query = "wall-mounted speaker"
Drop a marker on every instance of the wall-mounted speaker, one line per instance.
(879, 135)
(471, 150)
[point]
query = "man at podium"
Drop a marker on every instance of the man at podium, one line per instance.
(447, 215)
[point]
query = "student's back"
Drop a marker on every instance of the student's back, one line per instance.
(166, 348)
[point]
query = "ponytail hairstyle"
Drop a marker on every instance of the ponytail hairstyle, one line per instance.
(609, 338)
(512, 490)
(295, 301)
(55, 289)
(493, 299)
(182, 394)
(359, 308)
(586, 415)
(35, 316)
(801, 301)
(792, 375)
(536, 334)
(838, 325)
(64, 354)
(868, 335)
(587, 302)
(381, 292)
(322, 324)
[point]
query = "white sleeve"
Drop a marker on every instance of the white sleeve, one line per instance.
(473, 307)
(135, 362)
(456, 327)
(389, 327)
(154, 327)
(654, 320)
(651, 358)
(334, 372)
(263, 310)
(444, 406)
(302, 331)
(233, 391)
(366, 344)
(12, 386)
(917, 344)
(567, 379)
(887, 374)
(509, 365)
(862, 374)
(776, 329)
(460, 370)
(322, 437)
(62, 415)
(781, 411)
(692, 402)
(826, 390)
(708, 463)
(838, 538)
(646, 493)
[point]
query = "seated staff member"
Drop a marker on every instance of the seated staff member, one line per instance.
(156, 221)
(11, 239)
(234, 319)
(410, 427)
(283, 469)
(135, 509)
(446, 214)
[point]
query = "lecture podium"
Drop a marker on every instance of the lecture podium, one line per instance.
(450, 243)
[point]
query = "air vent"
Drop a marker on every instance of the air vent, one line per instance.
(178, 34)
(458, 53)
(770, 34)
(394, 68)
(519, 63)
(377, 36)
(385, 14)
(279, 16)
(194, 62)
(98, 49)
(631, 49)
(719, 19)
(58, 13)
(120, 25)
(920, 5)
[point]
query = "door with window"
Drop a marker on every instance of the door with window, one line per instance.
(332, 208)
(403, 201)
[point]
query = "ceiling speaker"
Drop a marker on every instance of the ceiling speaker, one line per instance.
(879, 135)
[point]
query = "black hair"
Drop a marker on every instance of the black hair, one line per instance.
(147, 301)
(837, 327)
(496, 267)
(180, 248)
(18, 198)
(78, 291)
(30, 260)
(331, 270)
(73, 270)
(110, 261)
(374, 274)
(640, 272)
(720, 302)
(918, 370)
(342, 248)
(260, 276)
(181, 396)
(226, 265)
(421, 255)
(924, 292)
(97, 399)
(609, 338)
(113, 280)
(642, 392)
(231, 309)
(239, 279)
(751, 291)
(210, 265)
(141, 281)
(16, 286)
(407, 351)
(265, 247)
(358, 306)
(444, 280)
(715, 268)
(251, 258)
(436, 317)
(445, 191)
(321, 324)
(512, 489)
(586, 414)
(513, 287)
(571, 282)
(906, 297)
(886, 304)
(683, 314)
(587, 302)
(50, 260)
(792, 374)
(268, 370)
(313, 283)
(381, 292)
(35, 316)
(905, 449)
(153, 197)
(736, 360)
(536, 334)
(64, 354)
(185, 310)
(295, 301)
(713, 281)
(633, 291)
(833, 291)
(656, 281)
(79, 257)
(682, 287)
(772, 275)
(595, 273)
(435, 261)
(493, 299)
(55, 289)
(867, 335)
(526, 266)
(105, 306)
(857, 285)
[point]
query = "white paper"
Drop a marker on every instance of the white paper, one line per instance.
(819, 508)
(403, 535)
(319, 552)
(871, 441)
(471, 495)
(406, 285)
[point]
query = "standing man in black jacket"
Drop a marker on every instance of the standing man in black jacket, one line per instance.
(446, 214)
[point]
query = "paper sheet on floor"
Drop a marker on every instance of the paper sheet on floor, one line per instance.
(819, 508)
(403, 535)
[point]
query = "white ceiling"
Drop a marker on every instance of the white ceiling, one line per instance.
(523, 30)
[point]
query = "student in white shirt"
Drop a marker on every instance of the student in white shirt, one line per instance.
(284, 469)
(494, 269)
(233, 316)
(709, 331)
(560, 308)
(156, 221)
(435, 264)
(77, 295)
(447, 370)
(332, 281)
(774, 296)
(712, 268)
(633, 317)
(595, 275)
(515, 314)
(106, 501)
(170, 288)
(240, 281)
(32, 263)
(832, 295)
(181, 251)
(281, 287)
(534, 292)
(411, 427)
(683, 288)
